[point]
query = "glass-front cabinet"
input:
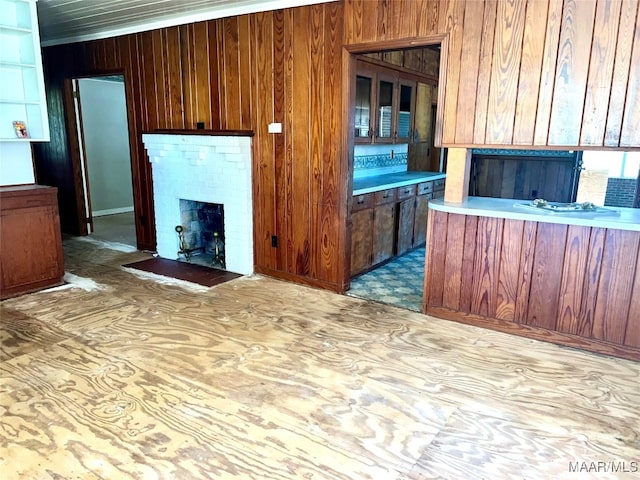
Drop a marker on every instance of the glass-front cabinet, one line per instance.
(384, 105)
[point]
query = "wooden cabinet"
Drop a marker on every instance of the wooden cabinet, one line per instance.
(389, 223)
(384, 105)
(31, 246)
(22, 96)
(422, 154)
(373, 221)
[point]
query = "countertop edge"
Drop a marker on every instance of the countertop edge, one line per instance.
(629, 218)
(402, 183)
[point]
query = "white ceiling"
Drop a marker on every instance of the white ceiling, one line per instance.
(66, 21)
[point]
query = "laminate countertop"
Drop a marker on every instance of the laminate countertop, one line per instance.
(392, 180)
(608, 217)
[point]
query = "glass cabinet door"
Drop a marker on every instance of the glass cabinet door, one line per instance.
(405, 110)
(385, 110)
(363, 107)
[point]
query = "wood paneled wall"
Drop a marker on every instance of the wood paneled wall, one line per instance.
(524, 72)
(564, 283)
(519, 72)
(239, 73)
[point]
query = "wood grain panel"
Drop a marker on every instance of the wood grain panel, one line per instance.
(571, 72)
(546, 275)
(453, 262)
(484, 71)
(615, 288)
(530, 71)
(427, 17)
(469, 62)
(487, 266)
(506, 295)
(630, 136)
(548, 73)
(452, 20)
(300, 68)
(468, 262)
(632, 334)
(624, 44)
(526, 271)
(434, 287)
(507, 51)
(573, 277)
(584, 326)
(603, 52)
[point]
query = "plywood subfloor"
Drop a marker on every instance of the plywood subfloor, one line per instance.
(132, 378)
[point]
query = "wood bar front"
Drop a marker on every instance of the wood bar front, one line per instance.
(569, 284)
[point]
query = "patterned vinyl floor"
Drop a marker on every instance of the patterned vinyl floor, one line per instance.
(398, 283)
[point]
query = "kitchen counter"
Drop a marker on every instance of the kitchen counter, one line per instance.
(392, 180)
(570, 278)
(609, 217)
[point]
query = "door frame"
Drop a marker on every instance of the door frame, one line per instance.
(79, 169)
(349, 59)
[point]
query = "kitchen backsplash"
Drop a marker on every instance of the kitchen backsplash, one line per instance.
(369, 160)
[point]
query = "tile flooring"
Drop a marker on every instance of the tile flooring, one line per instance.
(399, 282)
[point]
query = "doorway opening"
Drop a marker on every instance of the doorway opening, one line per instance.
(100, 109)
(394, 100)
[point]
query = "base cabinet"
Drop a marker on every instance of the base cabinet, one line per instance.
(389, 223)
(30, 241)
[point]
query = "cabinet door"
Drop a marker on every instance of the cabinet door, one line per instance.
(31, 248)
(406, 212)
(385, 125)
(384, 221)
(420, 222)
(361, 240)
(419, 156)
(406, 105)
(363, 114)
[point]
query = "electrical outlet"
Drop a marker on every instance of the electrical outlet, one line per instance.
(274, 241)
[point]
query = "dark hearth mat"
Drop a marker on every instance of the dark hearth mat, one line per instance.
(207, 277)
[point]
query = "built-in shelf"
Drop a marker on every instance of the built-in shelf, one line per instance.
(21, 79)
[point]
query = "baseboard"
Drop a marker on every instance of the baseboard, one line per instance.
(111, 211)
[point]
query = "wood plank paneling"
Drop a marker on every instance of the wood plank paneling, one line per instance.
(437, 228)
(530, 71)
(619, 258)
(571, 287)
(630, 135)
(624, 44)
(571, 72)
(579, 282)
(632, 334)
(469, 62)
(507, 292)
(468, 262)
(503, 91)
(484, 71)
(525, 272)
(546, 275)
(453, 262)
(487, 266)
(603, 52)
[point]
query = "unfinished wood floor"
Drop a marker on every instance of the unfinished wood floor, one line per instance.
(133, 378)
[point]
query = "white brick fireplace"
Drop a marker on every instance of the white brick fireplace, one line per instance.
(203, 168)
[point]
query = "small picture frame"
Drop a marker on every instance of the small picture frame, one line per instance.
(20, 128)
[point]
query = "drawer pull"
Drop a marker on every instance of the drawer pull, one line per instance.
(360, 201)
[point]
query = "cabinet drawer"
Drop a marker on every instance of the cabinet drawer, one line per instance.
(360, 202)
(425, 187)
(438, 184)
(385, 196)
(406, 192)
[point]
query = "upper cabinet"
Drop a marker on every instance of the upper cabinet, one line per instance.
(23, 110)
(384, 105)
